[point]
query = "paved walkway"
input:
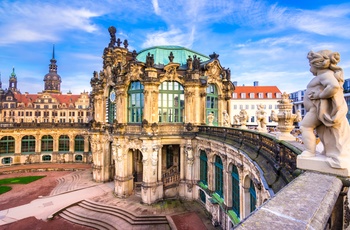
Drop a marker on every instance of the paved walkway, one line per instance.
(78, 186)
(43, 207)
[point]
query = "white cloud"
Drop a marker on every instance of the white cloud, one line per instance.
(156, 7)
(28, 22)
(174, 36)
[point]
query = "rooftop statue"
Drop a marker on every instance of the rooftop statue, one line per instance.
(326, 111)
(261, 118)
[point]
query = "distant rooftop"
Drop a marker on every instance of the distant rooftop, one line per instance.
(161, 54)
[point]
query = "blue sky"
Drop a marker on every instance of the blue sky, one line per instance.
(265, 41)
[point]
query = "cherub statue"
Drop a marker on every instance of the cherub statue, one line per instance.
(210, 118)
(261, 118)
(326, 110)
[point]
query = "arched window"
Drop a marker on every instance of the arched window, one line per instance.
(203, 167)
(63, 143)
(78, 158)
(252, 196)
(235, 190)
(7, 145)
(79, 143)
(171, 102)
(28, 144)
(47, 143)
(110, 106)
(212, 103)
(219, 177)
(135, 102)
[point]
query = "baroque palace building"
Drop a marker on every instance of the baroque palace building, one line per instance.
(45, 127)
(147, 107)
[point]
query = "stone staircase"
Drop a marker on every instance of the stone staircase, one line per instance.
(102, 216)
(73, 181)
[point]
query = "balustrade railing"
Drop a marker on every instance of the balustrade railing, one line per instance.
(267, 151)
(10, 125)
(171, 176)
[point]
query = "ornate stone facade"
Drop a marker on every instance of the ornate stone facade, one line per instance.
(146, 107)
(45, 127)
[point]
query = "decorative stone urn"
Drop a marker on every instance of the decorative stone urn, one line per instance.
(285, 118)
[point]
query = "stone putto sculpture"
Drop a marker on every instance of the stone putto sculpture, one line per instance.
(226, 117)
(210, 118)
(243, 118)
(326, 111)
(261, 118)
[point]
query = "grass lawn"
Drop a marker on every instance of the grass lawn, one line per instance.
(16, 180)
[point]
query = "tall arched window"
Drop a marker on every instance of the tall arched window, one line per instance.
(171, 102)
(63, 143)
(212, 102)
(7, 145)
(135, 102)
(28, 144)
(110, 106)
(252, 196)
(203, 167)
(47, 143)
(235, 190)
(219, 177)
(79, 143)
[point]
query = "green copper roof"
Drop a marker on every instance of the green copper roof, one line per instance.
(13, 74)
(161, 54)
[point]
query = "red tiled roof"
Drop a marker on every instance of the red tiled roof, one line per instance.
(256, 90)
(61, 98)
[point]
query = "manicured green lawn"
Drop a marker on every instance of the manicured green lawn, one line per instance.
(16, 180)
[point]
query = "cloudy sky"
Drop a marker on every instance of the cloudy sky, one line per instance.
(265, 41)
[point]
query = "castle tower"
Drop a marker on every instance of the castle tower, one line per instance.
(52, 79)
(13, 81)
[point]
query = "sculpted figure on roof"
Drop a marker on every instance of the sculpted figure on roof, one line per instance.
(112, 30)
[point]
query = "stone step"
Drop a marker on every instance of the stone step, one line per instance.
(124, 214)
(83, 220)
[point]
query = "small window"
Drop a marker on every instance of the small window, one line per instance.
(261, 95)
(252, 106)
(46, 158)
(251, 95)
(246, 106)
(269, 95)
(243, 95)
(6, 160)
(78, 158)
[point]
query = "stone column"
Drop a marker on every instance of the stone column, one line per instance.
(160, 164)
(151, 189)
(182, 163)
(123, 179)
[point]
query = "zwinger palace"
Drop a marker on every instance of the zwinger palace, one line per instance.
(138, 128)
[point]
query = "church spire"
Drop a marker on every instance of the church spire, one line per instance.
(52, 79)
(53, 52)
(13, 81)
(53, 66)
